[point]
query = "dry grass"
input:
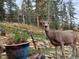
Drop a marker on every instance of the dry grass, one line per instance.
(32, 28)
(51, 51)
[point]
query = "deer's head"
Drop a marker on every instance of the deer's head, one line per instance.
(46, 25)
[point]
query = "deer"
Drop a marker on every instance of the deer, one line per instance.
(60, 38)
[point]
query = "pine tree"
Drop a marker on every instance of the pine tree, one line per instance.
(12, 8)
(54, 13)
(2, 11)
(71, 13)
(27, 11)
(41, 10)
(64, 16)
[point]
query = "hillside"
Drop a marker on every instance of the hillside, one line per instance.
(13, 26)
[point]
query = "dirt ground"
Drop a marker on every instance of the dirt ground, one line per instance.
(68, 55)
(51, 53)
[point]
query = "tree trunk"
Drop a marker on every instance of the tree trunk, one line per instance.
(49, 10)
(37, 21)
(23, 19)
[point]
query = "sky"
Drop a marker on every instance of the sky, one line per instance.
(76, 5)
(19, 2)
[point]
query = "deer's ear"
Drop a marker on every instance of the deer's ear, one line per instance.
(48, 22)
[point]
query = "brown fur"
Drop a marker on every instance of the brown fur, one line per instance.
(66, 37)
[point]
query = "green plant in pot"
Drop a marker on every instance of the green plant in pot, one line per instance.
(17, 38)
(20, 49)
(24, 36)
(21, 37)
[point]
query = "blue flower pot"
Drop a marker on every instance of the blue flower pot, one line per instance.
(17, 51)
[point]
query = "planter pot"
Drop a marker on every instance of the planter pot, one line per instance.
(17, 51)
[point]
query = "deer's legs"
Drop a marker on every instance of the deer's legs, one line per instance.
(56, 51)
(74, 51)
(62, 49)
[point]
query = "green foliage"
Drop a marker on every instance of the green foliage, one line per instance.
(17, 37)
(25, 35)
(32, 51)
(43, 50)
(57, 10)
(21, 36)
(53, 13)
(39, 36)
(27, 11)
(65, 26)
(2, 11)
(71, 12)
(54, 24)
(12, 9)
